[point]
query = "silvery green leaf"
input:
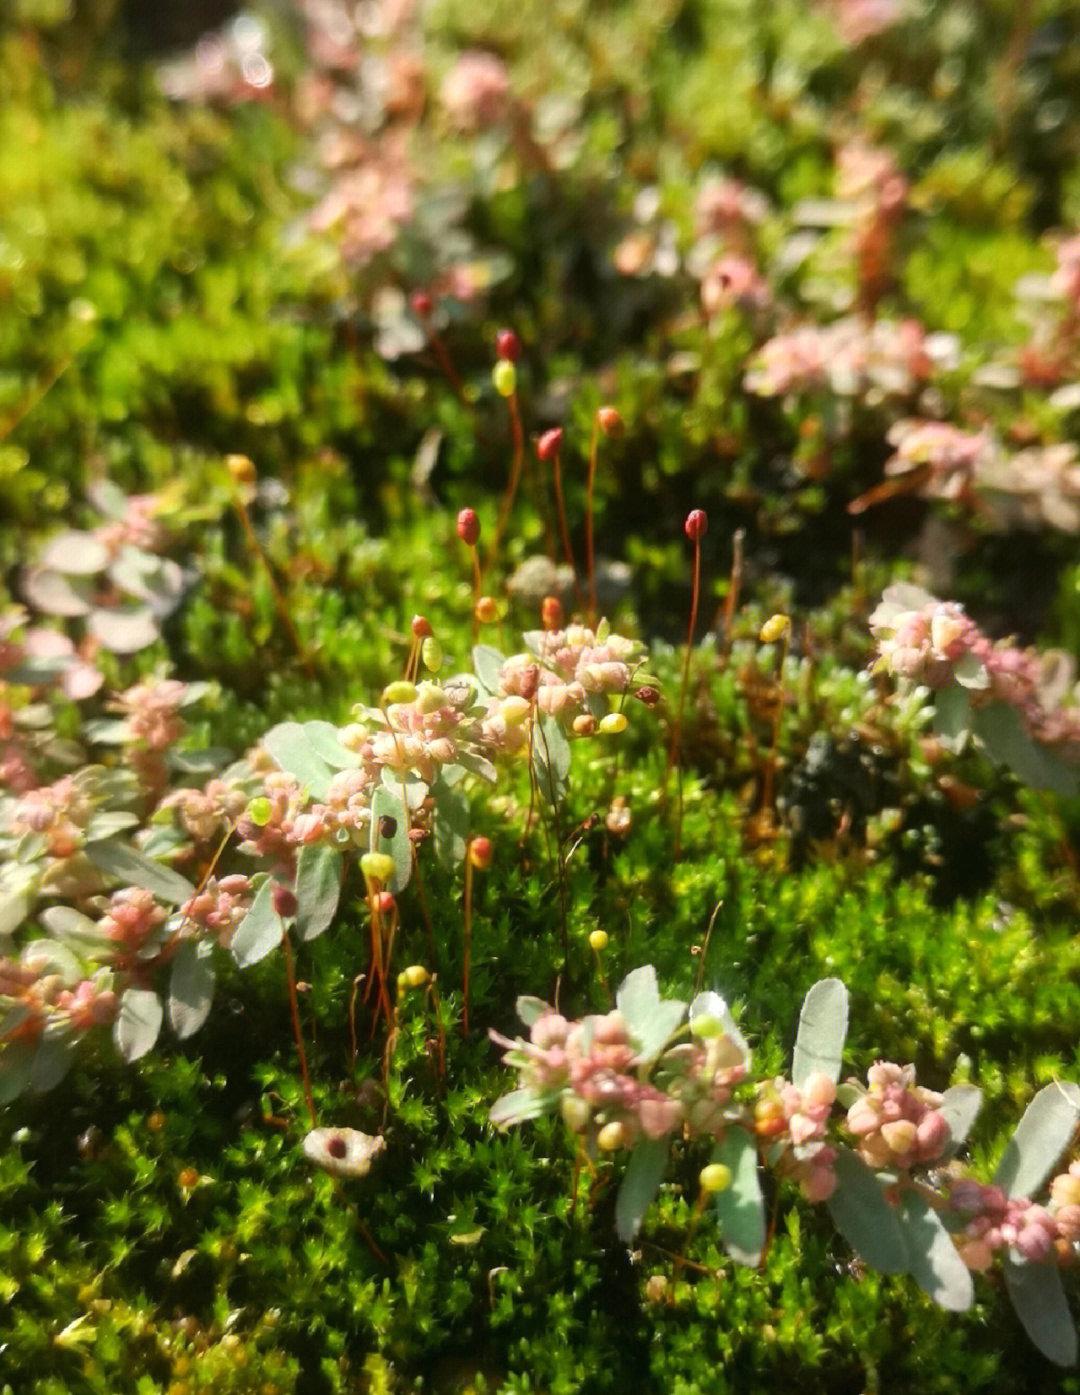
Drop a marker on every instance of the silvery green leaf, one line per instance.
(864, 1218)
(16, 1063)
(1038, 1298)
(289, 744)
(75, 554)
(952, 717)
(318, 887)
(1008, 742)
(54, 957)
(133, 868)
(551, 759)
(823, 1021)
(326, 741)
(1041, 1137)
(261, 930)
(487, 664)
(640, 1183)
(517, 1107)
(650, 1021)
(137, 1023)
(960, 1106)
(387, 806)
(207, 760)
(191, 986)
(73, 928)
(934, 1261)
(451, 823)
(970, 672)
(407, 786)
(53, 593)
(53, 1058)
(124, 629)
(531, 1009)
(741, 1207)
(14, 908)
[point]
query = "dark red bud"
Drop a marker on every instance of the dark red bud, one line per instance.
(611, 423)
(421, 627)
(696, 525)
(284, 901)
(423, 305)
(468, 527)
(508, 345)
(385, 902)
(549, 444)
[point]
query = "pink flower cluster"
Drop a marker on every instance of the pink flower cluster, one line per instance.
(897, 1124)
(40, 996)
(934, 642)
(138, 526)
(154, 724)
(955, 458)
(593, 1071)
(994, 1220)
(569, 666)
(783, 1113)
(475, 93)
(853, 358)
(131, 920)
(219, 907)
(59, 811)
(859, 20)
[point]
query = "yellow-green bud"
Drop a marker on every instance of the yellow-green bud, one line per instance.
(715, 1178)
(399, 692)
(430, 697)
(431, 654)
(504, 376)
(377, 866)
(613, 723)
(598, 940)
(705, 1026)
(260, 810)
(514, 710)
(415, 976)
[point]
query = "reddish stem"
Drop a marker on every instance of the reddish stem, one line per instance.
(590, 561)
(563, 526)
(294, 1009)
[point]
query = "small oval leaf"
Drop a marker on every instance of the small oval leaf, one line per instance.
(741, 1207)
(1038, 1297)
(261, 930)
(823, 1021)
(640, 1183)
(191, 987)
(1041, 1137)
(934, 1260)
(864, 1218)
(137, 1023)
(318, 887)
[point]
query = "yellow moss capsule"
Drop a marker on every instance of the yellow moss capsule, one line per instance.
(613, 724)
(431, 654)
(610, 1138)
(415, 976)
(598, 940)
(504, 376)
(776, 627)
(715, 1178)
(377, 867)
(487, 610)
(400, 692)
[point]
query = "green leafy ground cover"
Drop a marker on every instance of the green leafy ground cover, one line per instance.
(650, 196)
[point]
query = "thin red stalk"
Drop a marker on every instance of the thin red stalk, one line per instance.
(516, 464)
(294, 1009)
(446, 364)
(590, 560)
(468, 948)
(279, 600)
(563, 526)
(676, 736)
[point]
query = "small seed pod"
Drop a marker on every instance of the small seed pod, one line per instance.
(487, 610)
(504, 377)
(715, 1178)
(241, 469)
(387, 826)
(549, 444)
(508, 345)
(584, 724)
(284, 901)
(611, 423)
(468, 527)
(696, 525)
(377, 867)
(481, 853)
(551, 613)
(613, 724)
(648, 695)
(774, 628)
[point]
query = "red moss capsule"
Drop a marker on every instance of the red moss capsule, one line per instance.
(696, 525)
(468, 527)
(508, 345)
(549, 444)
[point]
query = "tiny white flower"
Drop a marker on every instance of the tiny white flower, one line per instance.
(343, 1152)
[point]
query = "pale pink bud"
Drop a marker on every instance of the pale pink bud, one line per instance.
(1034, 1243)
(931, 1135)
(863, 1117)
(819, 1091)
(659, 1116)
(900, 1136)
